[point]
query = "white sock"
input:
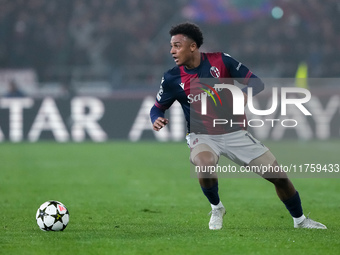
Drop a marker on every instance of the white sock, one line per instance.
(219, 205)
(300, 219)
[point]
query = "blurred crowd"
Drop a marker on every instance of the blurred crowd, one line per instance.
(307, 32)
(43, 33)
(120, 34)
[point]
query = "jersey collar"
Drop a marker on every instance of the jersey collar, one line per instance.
(195, 70)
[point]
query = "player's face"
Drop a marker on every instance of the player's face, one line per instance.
(182, 48)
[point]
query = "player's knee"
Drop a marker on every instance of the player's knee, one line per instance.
(205, 158)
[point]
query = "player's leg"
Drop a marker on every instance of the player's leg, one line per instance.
(283, 186)
(285, 190)
(203, 156)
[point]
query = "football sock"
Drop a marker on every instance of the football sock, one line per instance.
(212, 194)
(293, 205)
(299, 219)
(219, 205)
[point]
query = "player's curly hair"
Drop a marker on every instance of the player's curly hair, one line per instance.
(190, 30)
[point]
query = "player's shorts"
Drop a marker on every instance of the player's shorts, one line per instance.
(240, 146)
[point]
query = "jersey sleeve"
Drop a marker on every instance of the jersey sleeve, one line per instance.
(164, 100)
(242, 74)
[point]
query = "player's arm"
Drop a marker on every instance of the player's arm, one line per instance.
(164, 100)
(243, 75)
(253, 82)
(157, 118)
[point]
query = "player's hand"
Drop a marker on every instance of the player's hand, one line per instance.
(160, 123)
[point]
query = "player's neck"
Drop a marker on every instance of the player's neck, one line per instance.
(195, 61)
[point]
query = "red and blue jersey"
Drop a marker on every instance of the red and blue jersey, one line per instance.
(188, 85)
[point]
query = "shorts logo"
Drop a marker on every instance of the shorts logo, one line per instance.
(214, 72)
(195, 141)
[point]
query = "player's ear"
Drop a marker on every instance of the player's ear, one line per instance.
(193, 46)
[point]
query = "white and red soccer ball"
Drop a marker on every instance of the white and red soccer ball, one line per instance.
(52, 216)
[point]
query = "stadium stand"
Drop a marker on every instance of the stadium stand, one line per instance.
(116, 43)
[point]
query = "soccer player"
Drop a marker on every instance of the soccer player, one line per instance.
(208, 143)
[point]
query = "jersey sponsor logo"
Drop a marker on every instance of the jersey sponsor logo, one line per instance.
(209, 92)
(214, 72)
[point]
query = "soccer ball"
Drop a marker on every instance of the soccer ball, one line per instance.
(52, 216)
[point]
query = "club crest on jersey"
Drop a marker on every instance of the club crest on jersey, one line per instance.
(214, 72)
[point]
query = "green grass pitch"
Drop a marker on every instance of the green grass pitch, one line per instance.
(139, 198)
